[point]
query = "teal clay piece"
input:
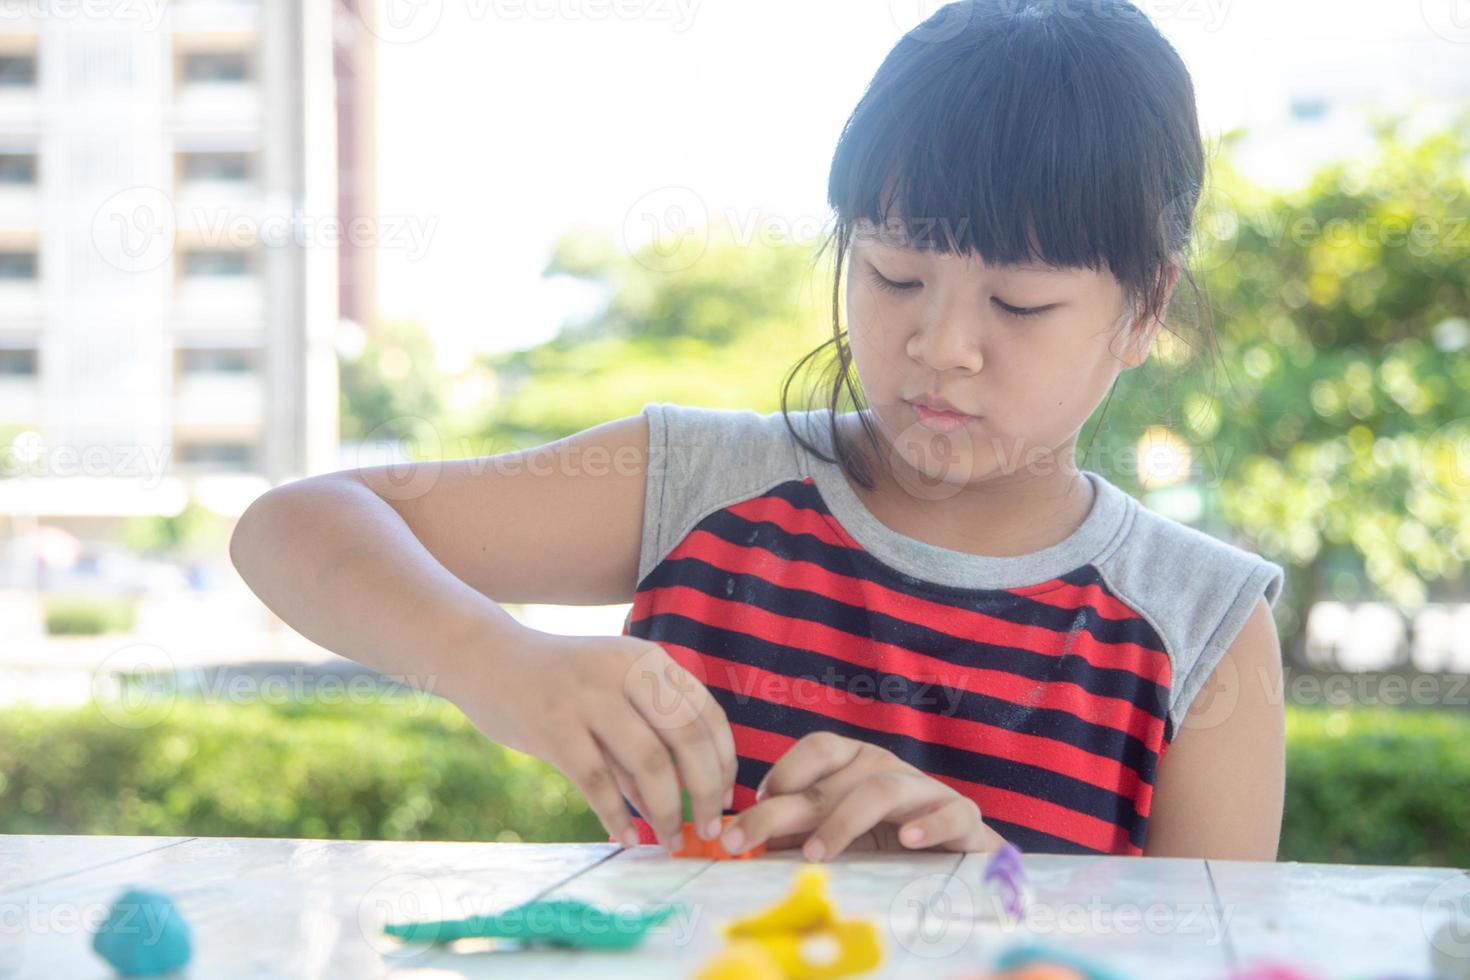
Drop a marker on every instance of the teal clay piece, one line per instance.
(564, 922)
(143, 934)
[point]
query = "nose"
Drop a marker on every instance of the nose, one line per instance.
(948, 339)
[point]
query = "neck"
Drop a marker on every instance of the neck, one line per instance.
(1011, 513)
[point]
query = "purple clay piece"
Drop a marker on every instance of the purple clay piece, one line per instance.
(1006, 859)
(1004, 868)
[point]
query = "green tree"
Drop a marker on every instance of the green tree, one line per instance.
(1333, 436)
(394, 381)
(1330, 431)
(717, 325)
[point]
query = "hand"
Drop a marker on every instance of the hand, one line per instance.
(842, 790)
(619, 717)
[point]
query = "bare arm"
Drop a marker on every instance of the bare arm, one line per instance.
(396, 566)
(1220, 788)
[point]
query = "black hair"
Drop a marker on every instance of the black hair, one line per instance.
(1060, 131)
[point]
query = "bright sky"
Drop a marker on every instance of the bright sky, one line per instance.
(504, 123)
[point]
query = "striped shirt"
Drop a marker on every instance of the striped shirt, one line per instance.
(1045, 686)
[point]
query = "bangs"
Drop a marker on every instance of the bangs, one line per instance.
(1031, 136)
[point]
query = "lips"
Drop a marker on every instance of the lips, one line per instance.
(938, 406)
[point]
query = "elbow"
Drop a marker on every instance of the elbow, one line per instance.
(250, 529)
(245, 531)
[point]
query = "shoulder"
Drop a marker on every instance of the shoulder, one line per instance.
(1196, 590)
(702, 459)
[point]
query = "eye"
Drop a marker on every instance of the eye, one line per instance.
(1020, 310)
(883, 282)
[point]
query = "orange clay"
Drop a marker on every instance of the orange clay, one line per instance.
(697, 847)
(1031, 971)
(1041, 971)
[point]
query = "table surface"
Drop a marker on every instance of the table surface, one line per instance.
(314, 908)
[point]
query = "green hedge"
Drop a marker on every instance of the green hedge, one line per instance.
(88, 615)
(379, 771)
(1365, 786)
(1377, 786)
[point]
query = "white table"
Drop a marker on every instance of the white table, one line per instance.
(314, 908)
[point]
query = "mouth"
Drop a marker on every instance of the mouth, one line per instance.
(943, 421)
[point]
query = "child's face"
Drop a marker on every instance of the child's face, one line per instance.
(1031, 380)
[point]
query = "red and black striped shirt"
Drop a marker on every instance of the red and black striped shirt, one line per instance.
(1045, 686)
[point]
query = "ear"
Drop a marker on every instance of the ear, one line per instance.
(1141, 336)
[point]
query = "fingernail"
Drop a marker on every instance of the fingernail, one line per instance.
(729, 798)
(677, 844)
(732, 840)
(712, 829)
(913, 836)
(630, 837)
(813, 850)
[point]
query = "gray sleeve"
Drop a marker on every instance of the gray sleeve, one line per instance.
(702, 459)
(1195, 590)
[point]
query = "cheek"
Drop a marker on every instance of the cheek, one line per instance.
(873, 338)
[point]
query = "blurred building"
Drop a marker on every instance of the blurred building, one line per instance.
(1313, 104)
(177, 205)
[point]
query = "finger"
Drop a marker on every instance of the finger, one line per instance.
(674, 707)
(698, 761)
(955, 822)
(718, 724)
(887, 795)
(586, 766)
(628, 785)
(627, 738)
(774, 816)
(813, 757)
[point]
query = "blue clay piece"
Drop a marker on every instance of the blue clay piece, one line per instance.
(1023, 955)
(142, 934)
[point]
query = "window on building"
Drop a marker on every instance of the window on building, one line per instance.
(216, 262)
(18, 363)
(224, 454)
(17, 168)
(17, 71)
(1307, 109)
(223, 360)
(17, 265)
(214, 66)
(215, 166)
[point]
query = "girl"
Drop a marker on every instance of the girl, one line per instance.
(913, 625)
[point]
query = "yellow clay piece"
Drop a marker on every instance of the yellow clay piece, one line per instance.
(834, 950)
(743, 959)
(801, 936)
(806, 907)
